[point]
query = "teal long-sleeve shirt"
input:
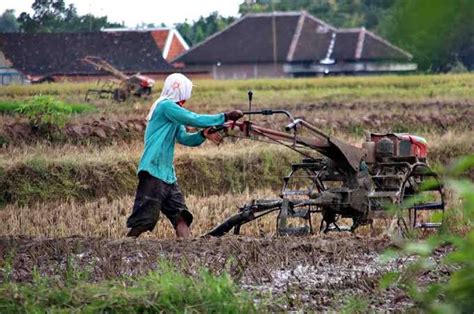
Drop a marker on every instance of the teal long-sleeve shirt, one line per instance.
(166, 126)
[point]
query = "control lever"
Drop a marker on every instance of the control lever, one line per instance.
(250, 94)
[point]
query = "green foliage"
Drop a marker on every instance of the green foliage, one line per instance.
(8, 23)
(340, 13)
(9, 106)
(45, 110)
(356, 305)
(54, 16)
(204, 27)
(12, 107)
(440, 34)
(165, 290)
(456, 295)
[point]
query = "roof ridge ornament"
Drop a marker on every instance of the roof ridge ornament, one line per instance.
(360, 43)
(327, 60)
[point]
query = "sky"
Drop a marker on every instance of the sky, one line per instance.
(138, 11)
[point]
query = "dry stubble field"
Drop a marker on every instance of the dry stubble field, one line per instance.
(70, 194)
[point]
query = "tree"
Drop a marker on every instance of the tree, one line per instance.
(8, 23)
(440, 34)
(54, 16)
(340, 13)
(204, 27)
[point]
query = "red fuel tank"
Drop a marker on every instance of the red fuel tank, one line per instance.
(419, 146)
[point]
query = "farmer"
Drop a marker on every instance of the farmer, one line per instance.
(157, 188)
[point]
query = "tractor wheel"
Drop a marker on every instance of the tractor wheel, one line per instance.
(120, 95)
(421, 198)
(143, 91)
(146, 91)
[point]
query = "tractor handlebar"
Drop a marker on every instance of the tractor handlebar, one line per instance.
(264, 112)
(269, 112)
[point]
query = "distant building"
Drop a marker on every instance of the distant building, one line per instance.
(8, 74)
(293, 44)
(58, 56)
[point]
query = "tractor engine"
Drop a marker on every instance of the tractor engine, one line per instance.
(380, 147)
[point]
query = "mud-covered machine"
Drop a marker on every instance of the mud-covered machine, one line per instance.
(389, 171)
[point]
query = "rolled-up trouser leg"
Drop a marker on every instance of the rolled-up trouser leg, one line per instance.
(148, 202)
(174, 206)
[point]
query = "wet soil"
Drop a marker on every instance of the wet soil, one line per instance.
(317, 273)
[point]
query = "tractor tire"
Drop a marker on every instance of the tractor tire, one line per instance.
(120, 95)
(143, 92)
(146, 91)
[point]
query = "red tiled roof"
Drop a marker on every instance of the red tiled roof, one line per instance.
(160, 37)
(176, 48)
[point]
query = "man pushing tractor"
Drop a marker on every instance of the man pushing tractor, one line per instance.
(348, 183)
(157, 189)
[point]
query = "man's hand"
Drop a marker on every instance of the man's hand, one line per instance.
(215, 137)
(233, 115)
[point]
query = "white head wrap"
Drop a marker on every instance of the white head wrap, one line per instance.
(177, 87)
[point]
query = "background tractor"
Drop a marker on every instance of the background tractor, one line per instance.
(123, 87)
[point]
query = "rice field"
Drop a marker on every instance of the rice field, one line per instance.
(76, 183)
(438, 107)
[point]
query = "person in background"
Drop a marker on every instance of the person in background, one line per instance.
(157, 189)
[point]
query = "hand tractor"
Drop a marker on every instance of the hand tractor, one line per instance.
(388, 176)
(126, 86)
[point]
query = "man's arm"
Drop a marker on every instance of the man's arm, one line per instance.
(180, 115)
(189, 139)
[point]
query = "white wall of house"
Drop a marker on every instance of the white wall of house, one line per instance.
(240, 71)
(9, 75)
(352, 68)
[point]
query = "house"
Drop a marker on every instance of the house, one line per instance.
(293, 44)
(8, 74)
(59, 56)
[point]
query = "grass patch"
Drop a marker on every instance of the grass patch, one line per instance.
(164, 290)
(11, 107)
